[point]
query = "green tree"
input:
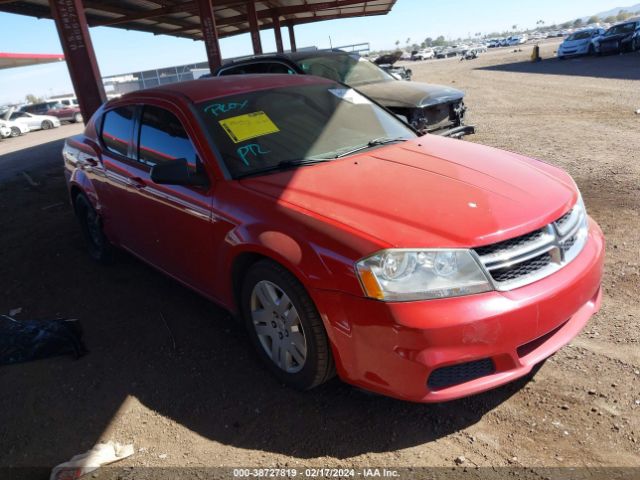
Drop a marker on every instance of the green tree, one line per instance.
(622, 15)
(577, 23)
(428, 41)
(31, 98)
(610, 19)
(439, 42)
(566, 25)
(397, 43)
(593, 19)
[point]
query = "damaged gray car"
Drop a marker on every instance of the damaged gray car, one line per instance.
(428, 108)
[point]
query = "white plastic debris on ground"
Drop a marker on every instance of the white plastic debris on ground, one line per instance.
(101, 454)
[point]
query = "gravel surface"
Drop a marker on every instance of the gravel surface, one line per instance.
(209, 403)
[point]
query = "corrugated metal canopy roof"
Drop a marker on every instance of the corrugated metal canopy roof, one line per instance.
(180, 17)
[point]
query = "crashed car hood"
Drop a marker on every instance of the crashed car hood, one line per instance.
(428, 192)
(402, 94)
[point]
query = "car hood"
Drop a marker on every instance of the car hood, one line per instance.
(575, 43)
(402, 94)
(428, 192)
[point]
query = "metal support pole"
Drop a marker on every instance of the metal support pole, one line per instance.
(292, 38)
(210, 34)
(79, 54)
(277, 32)
(254, 28)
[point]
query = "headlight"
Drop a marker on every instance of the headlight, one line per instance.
(400, 275)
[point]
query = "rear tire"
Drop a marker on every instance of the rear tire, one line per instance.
(285, 327)
(77, 118)
(46, 125)
(98, 245)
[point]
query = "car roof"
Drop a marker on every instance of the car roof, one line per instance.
(292, 56)
(205, 89)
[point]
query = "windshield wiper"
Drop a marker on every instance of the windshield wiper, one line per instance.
(376, 142)
(285, 165)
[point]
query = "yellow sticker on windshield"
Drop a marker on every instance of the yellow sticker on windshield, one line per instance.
(251, 125)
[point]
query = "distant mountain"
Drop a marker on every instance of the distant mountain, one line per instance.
(615, 11)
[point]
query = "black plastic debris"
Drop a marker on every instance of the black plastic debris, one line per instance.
(23, 341)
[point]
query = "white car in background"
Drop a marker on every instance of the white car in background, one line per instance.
(33, 122)
(426, 54)
(15, 129)
(580, 43)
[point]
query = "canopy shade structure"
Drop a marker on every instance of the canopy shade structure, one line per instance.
(181, 18)
(12, 60)
(207, 20)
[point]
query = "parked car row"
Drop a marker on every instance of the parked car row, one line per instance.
(62, 111)
(38, 116)
(621, 38)
(16, 123)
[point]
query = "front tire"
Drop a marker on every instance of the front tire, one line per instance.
(285, 327)
(98, 244)
(77, 118)
(46, 125)
(15, 132)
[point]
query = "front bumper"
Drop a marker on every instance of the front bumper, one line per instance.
(573, 51)
(394, 348)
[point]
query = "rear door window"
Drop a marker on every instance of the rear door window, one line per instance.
(163, 138)
(117, 128)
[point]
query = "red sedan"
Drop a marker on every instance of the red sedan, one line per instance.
(423, 268)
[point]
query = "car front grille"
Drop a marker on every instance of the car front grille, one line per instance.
(525, 259)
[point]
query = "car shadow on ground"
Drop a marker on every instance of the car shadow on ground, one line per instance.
(623, 67)
(210, 382)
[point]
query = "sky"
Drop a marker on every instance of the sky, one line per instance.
(120, 51)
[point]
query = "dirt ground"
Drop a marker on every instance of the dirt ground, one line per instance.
(208, 402)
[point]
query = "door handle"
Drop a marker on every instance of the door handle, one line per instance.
(137, 182)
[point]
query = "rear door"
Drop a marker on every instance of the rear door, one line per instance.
(119, 166)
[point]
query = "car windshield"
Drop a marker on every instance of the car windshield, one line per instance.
(579, 36)
(281, 128)
(344, 68)
(618, 29)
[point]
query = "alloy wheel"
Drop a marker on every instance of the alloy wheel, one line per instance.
(278, 327)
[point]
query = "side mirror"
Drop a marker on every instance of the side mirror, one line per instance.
(177, 172)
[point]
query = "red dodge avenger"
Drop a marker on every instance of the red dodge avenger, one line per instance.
(422, 268)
